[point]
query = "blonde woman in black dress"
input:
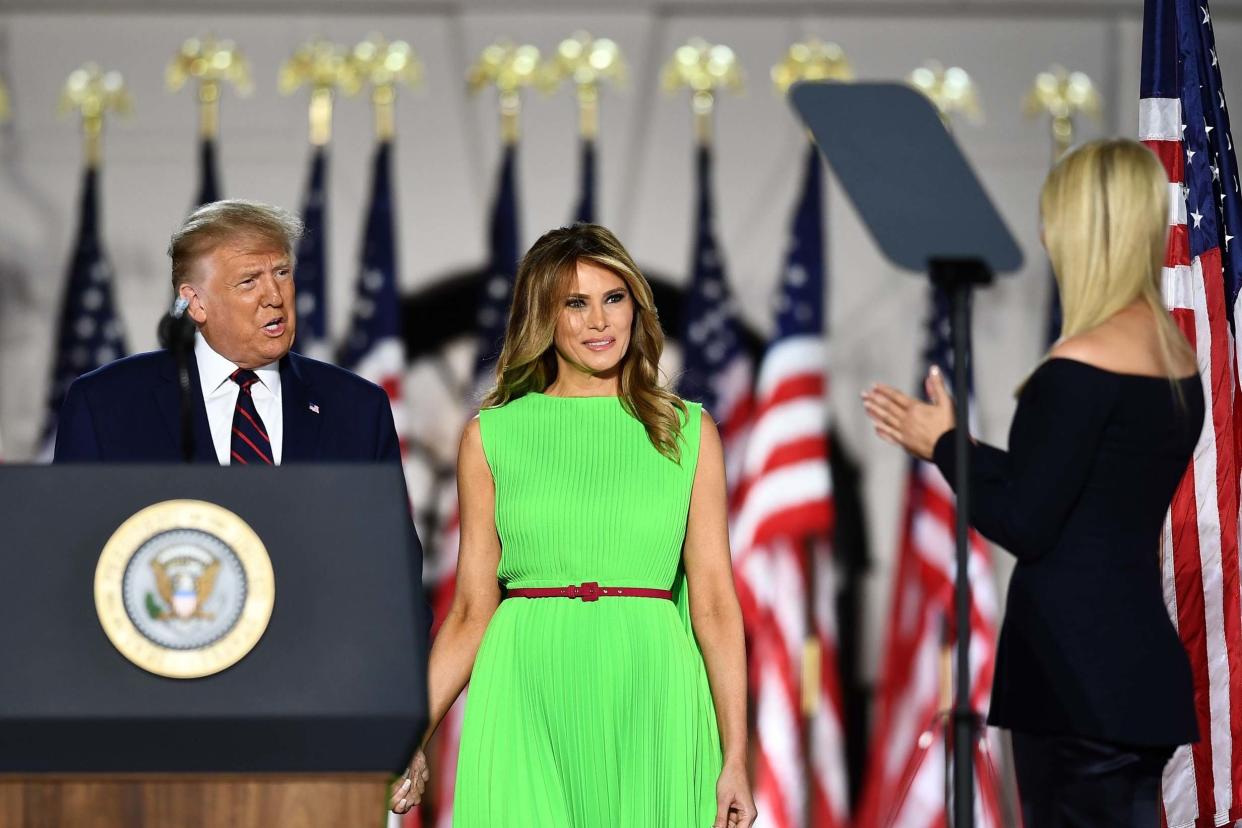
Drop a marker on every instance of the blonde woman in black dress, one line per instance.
(1091, 677)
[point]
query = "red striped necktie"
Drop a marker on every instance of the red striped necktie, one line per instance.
(249, 443)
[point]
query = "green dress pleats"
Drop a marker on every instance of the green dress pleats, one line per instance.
(588, 714)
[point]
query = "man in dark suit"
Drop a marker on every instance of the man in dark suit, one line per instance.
(253, 400)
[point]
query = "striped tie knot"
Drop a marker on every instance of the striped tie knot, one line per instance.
(244, 378)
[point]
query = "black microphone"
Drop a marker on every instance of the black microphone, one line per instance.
(176, 329)
(176, 334)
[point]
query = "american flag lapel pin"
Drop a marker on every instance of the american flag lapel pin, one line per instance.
(314, 407)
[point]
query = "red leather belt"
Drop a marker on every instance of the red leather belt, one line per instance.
(589, 591)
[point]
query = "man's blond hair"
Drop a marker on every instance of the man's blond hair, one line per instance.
(234, 219)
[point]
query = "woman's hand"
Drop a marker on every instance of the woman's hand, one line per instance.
(407, 791)
(735, 807)
(904, 421)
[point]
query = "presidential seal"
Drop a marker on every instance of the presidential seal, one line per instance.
(184, 588)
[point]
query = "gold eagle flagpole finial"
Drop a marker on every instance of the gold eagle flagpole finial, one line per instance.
(951, 90)
(4, 102)
(508, 68)
(703, 68)
(383, 65)
(213, 63)
(1062, 95)
(324, 67)
(93, 93)
(588, 62)
(811, 60)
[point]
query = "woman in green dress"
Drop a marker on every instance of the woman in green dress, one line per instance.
(595, 616)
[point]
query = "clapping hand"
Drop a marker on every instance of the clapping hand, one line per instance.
(407, 791)
(909, 423)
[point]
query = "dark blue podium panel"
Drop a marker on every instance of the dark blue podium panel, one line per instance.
(336, 683)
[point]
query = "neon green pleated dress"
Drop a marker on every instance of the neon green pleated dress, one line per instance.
(588, 714)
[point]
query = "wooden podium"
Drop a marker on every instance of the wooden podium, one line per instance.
(195, 801)
(306, 730)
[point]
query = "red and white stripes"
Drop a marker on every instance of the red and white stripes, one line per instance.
(779, 533)
(1200, 553)
(905, 773)
(829, 794)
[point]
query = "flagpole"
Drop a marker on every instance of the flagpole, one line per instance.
(705, 69)
(508, 68)
(588, 62)
(384, 65)
(325, 67)
(4, 102)
(810, 60)
(93, 93)
(88, 332)
(952, 91)
(213, 64)
(1061, 95)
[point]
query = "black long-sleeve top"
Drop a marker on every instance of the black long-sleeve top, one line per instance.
(1087, 647)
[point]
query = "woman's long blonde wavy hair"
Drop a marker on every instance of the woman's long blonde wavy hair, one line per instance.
(528, 359)
(1105, 212)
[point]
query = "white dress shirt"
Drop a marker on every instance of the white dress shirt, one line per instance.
(220, 398)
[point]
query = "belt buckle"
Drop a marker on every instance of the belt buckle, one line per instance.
(588, 591)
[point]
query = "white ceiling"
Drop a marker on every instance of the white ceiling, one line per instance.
(1017, 8)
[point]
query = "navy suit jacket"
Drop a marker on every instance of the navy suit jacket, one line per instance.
(130, 412)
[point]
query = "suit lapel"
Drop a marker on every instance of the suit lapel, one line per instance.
(300, 412)
(168, 398)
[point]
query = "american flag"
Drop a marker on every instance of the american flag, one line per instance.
(208, 179)
(89, 334)
(495, 294)
(782, 526)
(496, 291)
(585, 211)
(905, 784)
(312, 262)
(1183, 119)
(374, 347)
(716, 369)
(1054, 312)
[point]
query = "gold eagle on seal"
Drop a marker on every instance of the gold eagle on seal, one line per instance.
(185, 583)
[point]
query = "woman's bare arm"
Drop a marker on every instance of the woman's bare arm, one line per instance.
(717, 620)
(475, 599)
(477, 594)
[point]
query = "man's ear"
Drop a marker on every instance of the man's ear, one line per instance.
(195, 308)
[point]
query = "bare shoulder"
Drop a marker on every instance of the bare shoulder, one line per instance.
(470, 450)
(707, 428)
(472, 433)
(709, 438)
(1127, 343)
(711, 449)
(1091, 347)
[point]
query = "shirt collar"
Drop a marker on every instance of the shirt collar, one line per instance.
(214, 370)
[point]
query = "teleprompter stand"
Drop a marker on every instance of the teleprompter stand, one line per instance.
(927, 212)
